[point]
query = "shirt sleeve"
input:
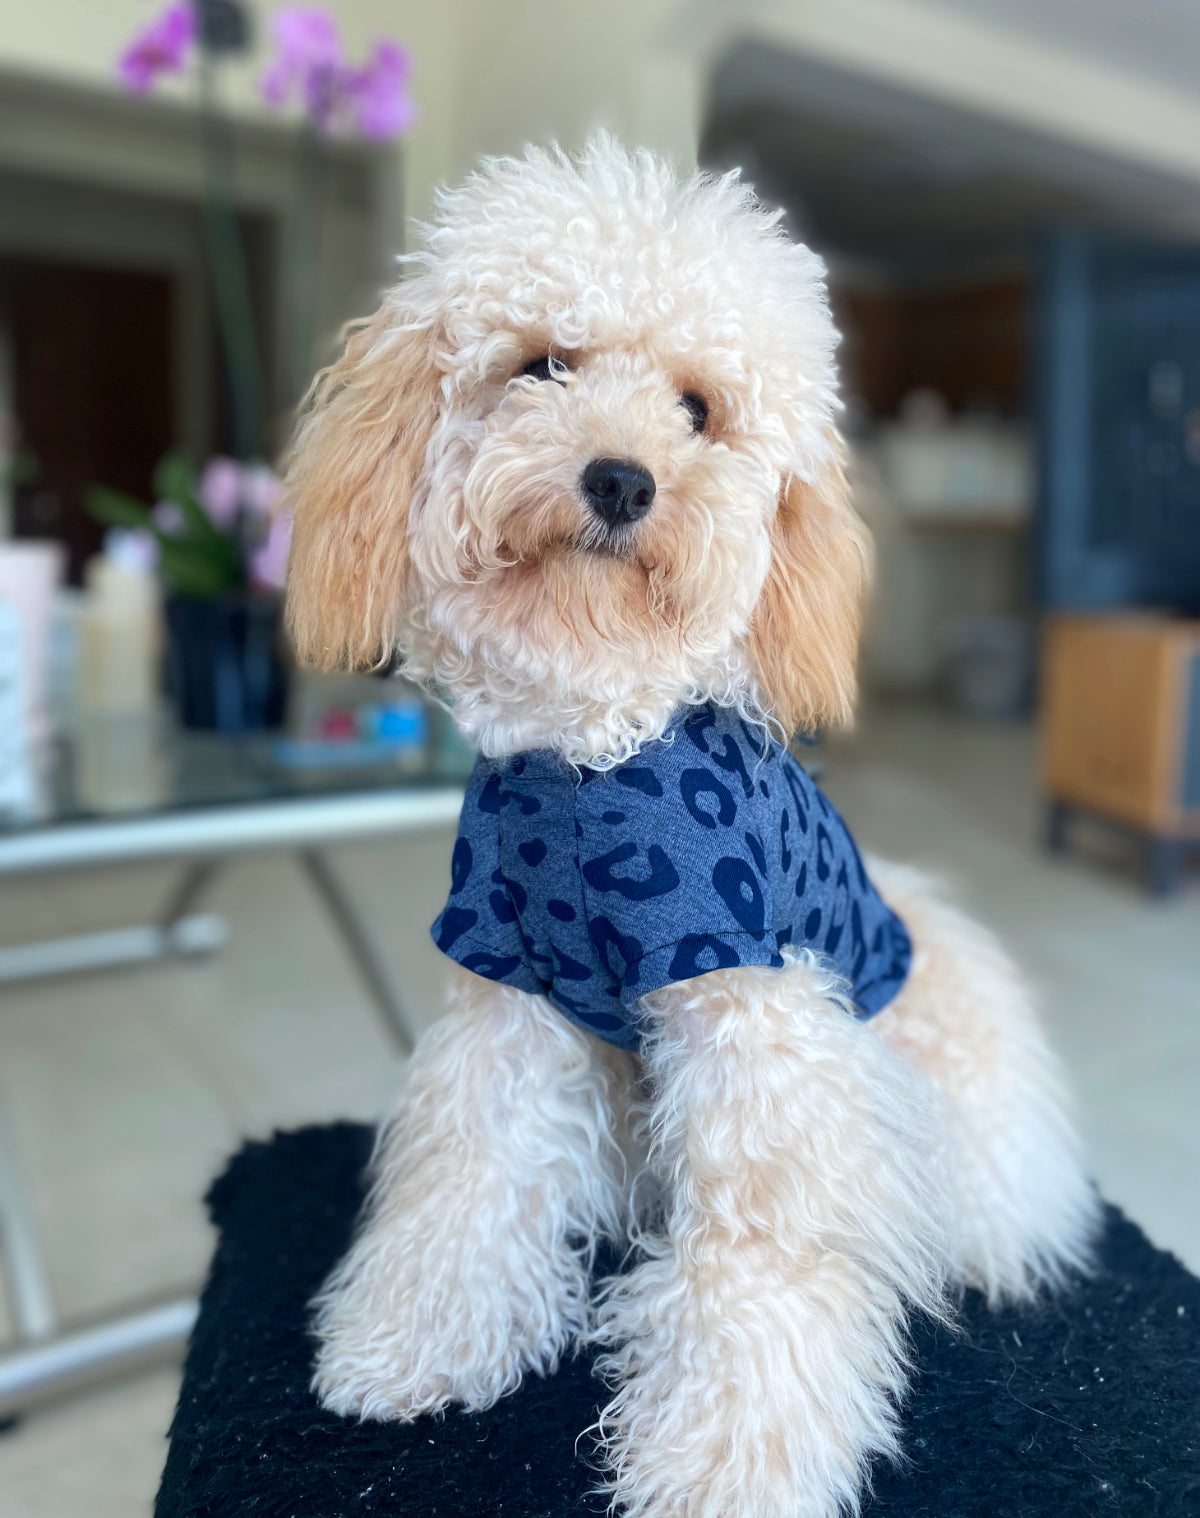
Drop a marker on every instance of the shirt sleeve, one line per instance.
(479, 927)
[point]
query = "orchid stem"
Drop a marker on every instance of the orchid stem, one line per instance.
(305, 250)
(230, 275)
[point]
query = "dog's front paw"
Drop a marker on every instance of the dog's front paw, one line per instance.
(394, 1349)
(738, 1399)
(412, 1321)
(387, 1369)
(362, 1375)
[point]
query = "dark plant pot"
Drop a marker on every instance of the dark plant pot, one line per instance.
(228, 665)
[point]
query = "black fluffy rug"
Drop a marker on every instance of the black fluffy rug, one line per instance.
(1089, 1405)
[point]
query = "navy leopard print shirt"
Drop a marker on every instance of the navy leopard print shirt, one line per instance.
(710, 848)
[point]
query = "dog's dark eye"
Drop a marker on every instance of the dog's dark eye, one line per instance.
(540, 369)
(697, 408)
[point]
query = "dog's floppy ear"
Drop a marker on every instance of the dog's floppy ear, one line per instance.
(804, 633)
(356, 459)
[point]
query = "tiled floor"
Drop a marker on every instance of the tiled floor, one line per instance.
(128, 1090)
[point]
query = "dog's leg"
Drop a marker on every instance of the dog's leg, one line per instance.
(760, 1349)
(1023, 1214)
(491, 1182)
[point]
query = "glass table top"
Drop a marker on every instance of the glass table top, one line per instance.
(120, 767)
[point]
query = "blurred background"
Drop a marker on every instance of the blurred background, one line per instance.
(217, 874)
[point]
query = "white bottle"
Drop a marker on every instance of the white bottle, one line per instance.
(16, 769)
(120, 631)
(119, 760)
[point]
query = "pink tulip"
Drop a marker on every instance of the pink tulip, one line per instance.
(160, 48)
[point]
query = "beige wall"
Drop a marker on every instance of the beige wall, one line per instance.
(493, 74)
(549, 69)
(542, 70)
(79, 41)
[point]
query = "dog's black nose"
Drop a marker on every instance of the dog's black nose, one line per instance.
(618, 490)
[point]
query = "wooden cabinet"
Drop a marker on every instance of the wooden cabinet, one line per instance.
(1120, 717)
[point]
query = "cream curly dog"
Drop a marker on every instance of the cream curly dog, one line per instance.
(581, 470)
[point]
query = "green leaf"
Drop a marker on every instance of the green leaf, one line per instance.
(116, 509)
(198, 560)
(175, 480)
(190, 569)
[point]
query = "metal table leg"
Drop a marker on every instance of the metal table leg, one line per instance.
(349, 924)
(1056, 818)
(197, 877)
(1165, 859)
(69, 1361)
(46, 1361)
(179, 933)
(25, 1274)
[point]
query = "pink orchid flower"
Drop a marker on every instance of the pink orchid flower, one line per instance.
(311, 66)
(220, 491)
(261, 489)
(168, 517)
(160, 48)
(269, 561)
(308, 62)
(380, 101)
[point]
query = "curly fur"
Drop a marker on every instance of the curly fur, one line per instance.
(759, 1350)
(436, 491)
(801, 1181)
(507, 1125)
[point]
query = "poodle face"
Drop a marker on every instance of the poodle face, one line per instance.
(581, 467)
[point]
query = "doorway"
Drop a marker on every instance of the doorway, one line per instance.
(92, 377)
